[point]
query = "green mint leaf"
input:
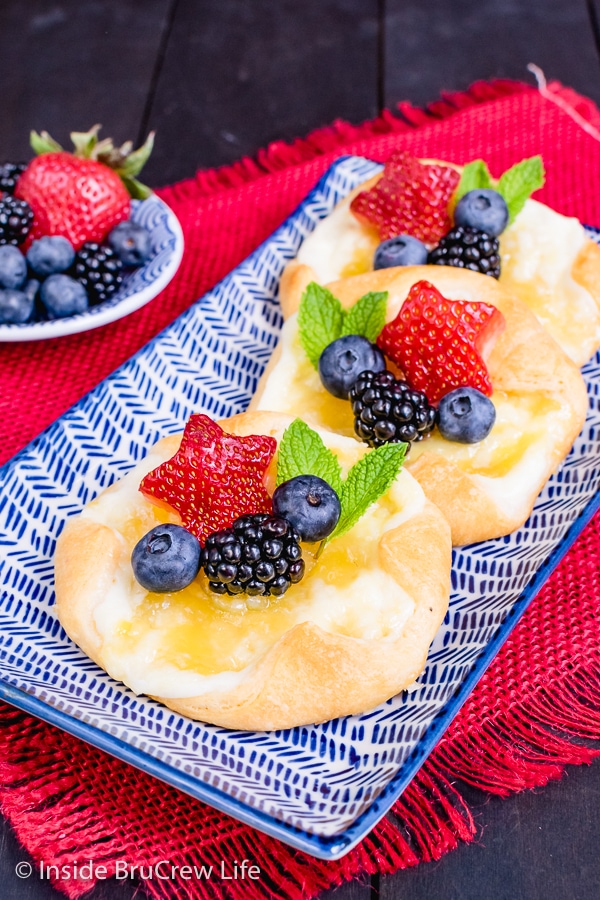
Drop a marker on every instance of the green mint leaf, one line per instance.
(320, 320)
(474, 175)
(519, 182)
(367, 480)
(302, 452)
(367, 316)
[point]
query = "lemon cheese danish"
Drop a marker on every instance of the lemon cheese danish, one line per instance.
(441, 329)
(206, 579)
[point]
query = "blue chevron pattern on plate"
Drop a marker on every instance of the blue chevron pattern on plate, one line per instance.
(138, 288)
(319, 788)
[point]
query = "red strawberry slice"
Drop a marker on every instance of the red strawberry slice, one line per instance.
(410, 198)
(79, 199)
(213, 478)
(441, 344)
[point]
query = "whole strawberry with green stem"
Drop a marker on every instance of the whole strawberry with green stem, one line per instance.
(81, 195)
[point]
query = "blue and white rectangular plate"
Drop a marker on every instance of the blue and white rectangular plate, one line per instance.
(319, 788)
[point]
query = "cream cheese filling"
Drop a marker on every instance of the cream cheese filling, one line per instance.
(340, 245)
(538, 252)
(182, 644)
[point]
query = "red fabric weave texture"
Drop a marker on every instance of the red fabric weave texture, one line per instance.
(527, 718)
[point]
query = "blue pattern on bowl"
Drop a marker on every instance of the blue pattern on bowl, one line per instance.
(139, 285)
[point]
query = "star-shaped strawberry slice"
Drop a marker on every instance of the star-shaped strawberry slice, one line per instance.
(442, 344)
(411, 197)
(213, 478)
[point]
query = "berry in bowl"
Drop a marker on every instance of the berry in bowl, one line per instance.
(82, 241)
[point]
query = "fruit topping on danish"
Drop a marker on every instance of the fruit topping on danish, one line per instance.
(410, 198)
(213, 478)
(166, 559)
(244, 541)
(386, 409)
(259, 555)
(465, 415)
(442, 344)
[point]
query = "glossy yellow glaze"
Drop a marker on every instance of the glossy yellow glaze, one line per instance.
(199, 636)
(520, 422)
(362, 259)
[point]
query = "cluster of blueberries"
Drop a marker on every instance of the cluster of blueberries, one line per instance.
(52, 281)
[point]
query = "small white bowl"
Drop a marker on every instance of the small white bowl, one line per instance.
(138, 288)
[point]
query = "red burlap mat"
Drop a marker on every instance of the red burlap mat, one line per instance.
(70, 803)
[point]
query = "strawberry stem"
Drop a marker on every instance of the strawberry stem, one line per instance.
(127, 163)
(43, 143)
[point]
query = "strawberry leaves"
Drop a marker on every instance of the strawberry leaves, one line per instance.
(124, 160)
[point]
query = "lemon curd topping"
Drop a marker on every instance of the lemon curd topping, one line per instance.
(184, 643)
(344, 591)
(295, 387)
(521, 422)
(362, 257)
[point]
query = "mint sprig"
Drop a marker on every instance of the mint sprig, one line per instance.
(321, 319)
(367, 316)
(519, 182)
(516, 185)
(302, 452)
(320, 316)
(367, 481)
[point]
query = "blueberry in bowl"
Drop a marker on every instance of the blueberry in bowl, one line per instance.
(16, 307)
(50, 255)
(63, 296)
(131, 243)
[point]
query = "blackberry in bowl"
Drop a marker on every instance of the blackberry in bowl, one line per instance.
(99, 270)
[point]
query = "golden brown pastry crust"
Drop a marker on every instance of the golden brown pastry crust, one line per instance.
(586, 269)
(524, 359)
(309, 675)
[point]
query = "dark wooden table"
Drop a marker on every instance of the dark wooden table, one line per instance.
(219, 79)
